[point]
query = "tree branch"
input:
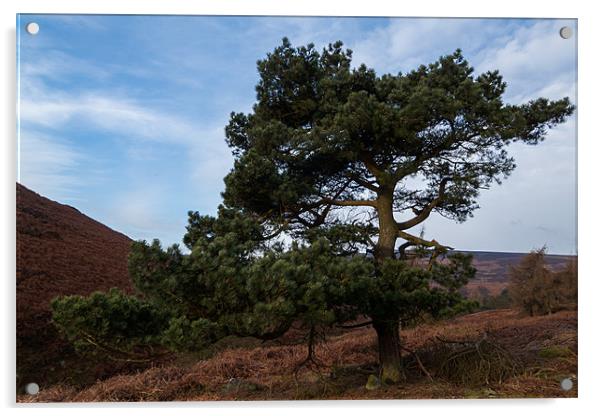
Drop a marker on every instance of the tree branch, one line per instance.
(130, 355)
(309, 208)
(403, 247)
(438, 248)
(419, 362)
(351, 203)
(363, 182)
(371, 165)
(277, 231)
(424, 213)
(422, 242)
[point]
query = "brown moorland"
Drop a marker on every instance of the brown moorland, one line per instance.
(546, 347)
(60, 251)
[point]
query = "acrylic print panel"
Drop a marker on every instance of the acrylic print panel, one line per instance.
(266, 208)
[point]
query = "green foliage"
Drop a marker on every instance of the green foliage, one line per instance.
(345, 239)
(555, 351)
(408, 293)
(114, 323)
(186, 335)
(223, 287)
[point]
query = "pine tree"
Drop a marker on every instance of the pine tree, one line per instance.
(326, 143)
(344, 163)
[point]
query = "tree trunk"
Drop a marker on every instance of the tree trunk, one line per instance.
(389, 351)
(387, 329)
(387, 227)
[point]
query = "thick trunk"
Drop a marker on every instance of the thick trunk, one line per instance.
(389, 351)
(387, 227)
(389, 344)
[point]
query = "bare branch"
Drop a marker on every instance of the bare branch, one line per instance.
(422, 242)
(277, 231)
(419, 362)
(424, 213)
(403, 247)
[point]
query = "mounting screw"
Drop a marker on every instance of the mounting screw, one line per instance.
(566, 32)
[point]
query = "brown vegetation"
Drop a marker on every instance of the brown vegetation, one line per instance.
(544, 346)
(536, 289)
(60, 251)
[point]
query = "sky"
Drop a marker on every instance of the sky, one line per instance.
(123, 117)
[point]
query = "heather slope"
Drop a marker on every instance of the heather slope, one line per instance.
(60, 251)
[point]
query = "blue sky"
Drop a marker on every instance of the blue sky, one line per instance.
(123, 116)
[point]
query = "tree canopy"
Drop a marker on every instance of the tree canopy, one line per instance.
(324, 136)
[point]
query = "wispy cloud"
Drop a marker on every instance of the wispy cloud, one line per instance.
(403, 44)
(51, 165)
(47, 105)
(132, 212)
(119, 115)
(57, 65)
(535, 59)
(535, 62)
(530, 54)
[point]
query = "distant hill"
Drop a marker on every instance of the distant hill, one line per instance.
(60, 251)
(493, 268)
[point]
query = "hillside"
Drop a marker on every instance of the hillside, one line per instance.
(60, 251)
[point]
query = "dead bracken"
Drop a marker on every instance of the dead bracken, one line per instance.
(511, 362)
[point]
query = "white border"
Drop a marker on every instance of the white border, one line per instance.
(589, 189)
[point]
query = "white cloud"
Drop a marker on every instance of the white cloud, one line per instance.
(50, 165)
(52, 64)
(119, 115)
(535, 59)
(135, 208)
(407, 43)
(532, 58)
(213, 159)
(139, 211)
